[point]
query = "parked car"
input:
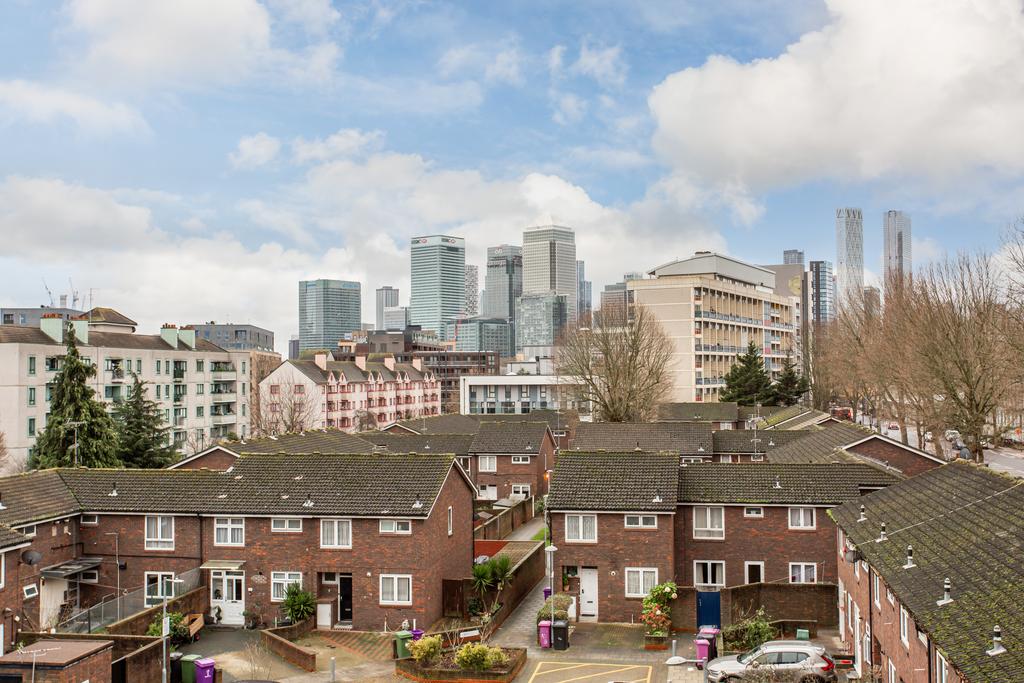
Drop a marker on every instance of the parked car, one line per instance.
(794, 661)
(928, 437)
(893, 425)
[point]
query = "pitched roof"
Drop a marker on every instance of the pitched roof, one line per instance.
(767, 483)
(102, 314)
(614, 481)
(405, 442)
(34, 496)
(442, 424)
(742, 440)
(684, 438)
(803, 420)
(15, 334)
(320, 441)
(966, 523)
(554, 418)
(509, 437)
(697, 411)
(9, 537)
(785, 414)
(819, 446)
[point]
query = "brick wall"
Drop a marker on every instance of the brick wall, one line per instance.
(57, 542)
(782, 602)
(302, 657)
(95, 668)
(506, 521)
(907, 462)
(217, 459)
(194, 602)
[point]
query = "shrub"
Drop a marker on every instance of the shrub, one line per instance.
(298, 605)
(179, 629)
(479, 657)
(749, 633)
(562, 602)
(426, 650)
(656, 614)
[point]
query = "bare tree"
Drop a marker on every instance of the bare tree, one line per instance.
(283, 408)
(3, 451)
(261, 364)
(621, 363)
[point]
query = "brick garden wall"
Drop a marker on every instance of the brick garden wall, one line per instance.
(505, 522)
(782, 602)
(302, 657)
(194, 602)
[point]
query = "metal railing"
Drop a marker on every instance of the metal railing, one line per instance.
(110, 610)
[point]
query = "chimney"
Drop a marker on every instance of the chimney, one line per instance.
(187, 336)
(52, 325)
(321, 360)
(389, 363)
(81, 330)
(361, 363)
(418, 364)
(169, 333)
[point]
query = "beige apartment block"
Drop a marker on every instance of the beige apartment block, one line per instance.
(711, 306)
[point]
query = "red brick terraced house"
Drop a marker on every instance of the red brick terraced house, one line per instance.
(621, 517)
(751, 445)
(897, 548)
(371, 535)
(511, 458)
(224, 454)
(690, 441)
(562, 423)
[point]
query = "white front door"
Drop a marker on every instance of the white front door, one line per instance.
(227, 591)
(323, 615)
(52, 594)
(588, 592)
(858, 652)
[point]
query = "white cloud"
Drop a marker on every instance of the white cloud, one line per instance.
(605, 65)
(315, 16)
(610, 157)
(499, 62)
(569, 108)
(924, 250)
(896, 89)
(22, 101)
(506, 67)
(346, 142)
(556, 58)
(254, 151)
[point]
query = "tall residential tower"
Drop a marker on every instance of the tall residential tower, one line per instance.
(472, 292)
(896, 229)
(584, 292)
(849, 255)
(503, 282)
(438, 264)
(387, 297)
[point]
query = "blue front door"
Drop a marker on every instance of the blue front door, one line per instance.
(709, 609)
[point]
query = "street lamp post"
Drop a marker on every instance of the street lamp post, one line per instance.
(550, 550)
(165, 631)
(75, 424)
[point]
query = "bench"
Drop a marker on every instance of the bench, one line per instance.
(195, 623)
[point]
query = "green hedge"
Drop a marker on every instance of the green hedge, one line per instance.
(561, 601)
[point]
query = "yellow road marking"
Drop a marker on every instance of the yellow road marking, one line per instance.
(543, 669)
(601, 673)
(563, 666)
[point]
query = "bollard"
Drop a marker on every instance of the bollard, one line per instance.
(333, 663)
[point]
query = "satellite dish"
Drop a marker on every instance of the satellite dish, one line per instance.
(31, 557)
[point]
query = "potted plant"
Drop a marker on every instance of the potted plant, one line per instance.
(252, 616)
(218, 614)
(656, 615)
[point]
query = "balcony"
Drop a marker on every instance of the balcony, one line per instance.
(179, 375)
(224, 396)
(179, 421)
(179, 398)
(116, 375)
(226, 419)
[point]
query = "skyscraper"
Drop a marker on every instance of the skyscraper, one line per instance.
(584, 298)
(472, 291)
(540, 321)
(822, 295)
(328, 310)
(438, 264)
(387, 297)
(549, 264)
(896, 229)
(872, 301)
(503, 282)
(849, 255)
(793, 257)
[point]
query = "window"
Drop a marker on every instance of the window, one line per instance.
(31, 396)
(641, 521)
(890, 597)
(159, 533)
(200, 389)
(708, 573)
(520, 460)
(159, 585)
(753, 513)
(451, 526)
(3, 570)
(581, 528)
(200, 411)
(199, 366)
(138, 366)
(279, 582)
(31, 426)
(726, 457)
(31, 365)
(941, 673)
(801, 518)
(803, 572)
(286, 525)
(29, 530)
(395, 526)
(467, 463)
(875, 586)
(892, 673)
(488, 463)
(640, 581)
(904, 621)
(753, 571)
(229, 531)
(275, 389)
(30, 591)
(757, 457)
(89, 576)
(708, 522)
(335, 533)
(299, 389)
(521, 490)
(395, 589)
(158, 364)
(158, 391)
(90, 520)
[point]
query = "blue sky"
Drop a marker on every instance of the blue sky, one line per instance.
(190, 161)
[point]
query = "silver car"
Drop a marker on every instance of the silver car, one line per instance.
(796, 661)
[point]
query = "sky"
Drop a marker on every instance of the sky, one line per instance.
(190, 161)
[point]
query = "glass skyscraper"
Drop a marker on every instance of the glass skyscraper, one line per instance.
(387, 297)
(328, 311)
(898, 262)
(438, 264)
(849, 255)
(822, 294)
(503, 281)
(549, 264)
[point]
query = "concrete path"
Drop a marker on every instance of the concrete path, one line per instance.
(520, 629)
(527, 531)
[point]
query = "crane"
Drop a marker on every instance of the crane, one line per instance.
(48, 292)
(74, 294)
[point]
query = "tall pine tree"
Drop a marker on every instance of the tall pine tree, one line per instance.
(73, 402)
(791, 385)
(142, 434)
(747, 382)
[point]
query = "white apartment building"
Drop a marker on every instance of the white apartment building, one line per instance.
(202, 389)
(519, 394)
(711, 306)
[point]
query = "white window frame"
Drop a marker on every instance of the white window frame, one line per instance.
(158, 542)
(467, 463)
(747, 514)
(725, 457)
(161, 584)
(393, 527)
(802, 518)
(3, 574)
(89, 576)
(228, 525)
(579, 528)
(283, 579)
(643, 571)
(29, 531)
(451, 521)
(904, 627)
(803, 567)
(491, 460)
(746, 570)
(89, 520)
(335, 542)
(941, 668)
(528, 487)
(520, 460)
(893, 677)
(30, 591)
(703, 513)
(394, 580)
(876, 585)
(756, 457)
(890, 596)
(709, 563)
(640, 521)
(287, 524)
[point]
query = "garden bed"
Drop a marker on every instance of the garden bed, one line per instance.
(445, 670)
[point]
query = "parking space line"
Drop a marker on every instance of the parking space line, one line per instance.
(600, 673)
(565, 666)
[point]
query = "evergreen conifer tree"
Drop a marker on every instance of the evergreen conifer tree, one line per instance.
(142, 434)
(791, 385)
(73, 402)
(747, 382)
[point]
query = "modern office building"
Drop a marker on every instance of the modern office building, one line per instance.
(235, 337)
(30, 317)
(540, 321)
(503, 282)
(584, 292)
(481, 334)
(872, 301)
(792, 257)
(387, 297)
(549, 264)
(396, 318)
(438, 265)
(472, 292)
(711, 306)
(614, 300)
(329, 310)
(849, 255)
(293, 347)
(822, 294)
(897, 246)
(201, 389)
